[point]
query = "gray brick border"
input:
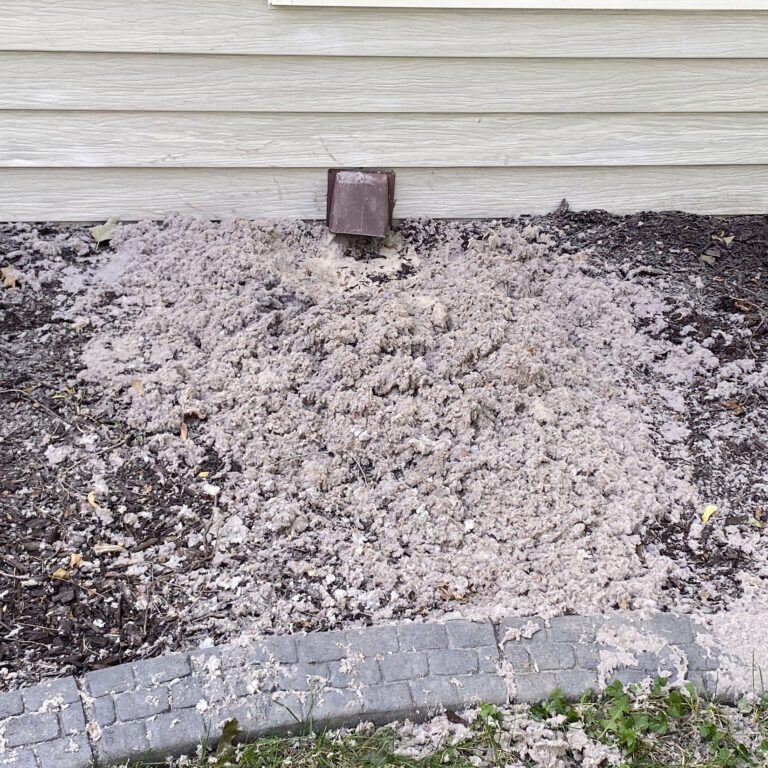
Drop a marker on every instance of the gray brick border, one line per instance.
(169, 705)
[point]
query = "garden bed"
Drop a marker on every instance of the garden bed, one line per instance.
(211, 430)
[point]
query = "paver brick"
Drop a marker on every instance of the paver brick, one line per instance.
(517, 654)
(111, 680)
(172, 734)
(72, 718)
(433, 693)
(549, 657)
(481, 689)
(190, 691)
(103, 710)
(10, 704)
(30, 729)
(335, 707)
(488, 659)
(162, 669)
(212, 661)
(702, 659)
(123, 741)
(352, 672)
(187, 692)
(575, 682)
(405, 666)
(470, 634)
(19, 758)
(322, 646)
(676, 630)
(422, 637)
(375, 641)
(530, 689)
(285, 711)
(587, 657)
(136, 705)
(386, 702)
(572, 629)
(50, 695)
(70, 752)
(281, 648)
(670, 658)
(258, 716)
(228, 657)
(646, 660)
(453, 662)
(302, 677)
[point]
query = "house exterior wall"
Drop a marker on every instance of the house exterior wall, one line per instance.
(136, 108)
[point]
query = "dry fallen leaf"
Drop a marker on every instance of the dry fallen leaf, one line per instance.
(725, 239)
(137, 387)
(203, 474)
(709, 510)
(60, 573)
(103, 232)
(735, 407)
(75, 560)
(91, 497)
(184, 431)
(10, 277)
(624, 602)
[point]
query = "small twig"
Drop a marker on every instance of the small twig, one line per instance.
(360, 468)
(18, 578)
(5, 437)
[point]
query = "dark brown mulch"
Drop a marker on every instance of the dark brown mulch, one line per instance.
(57, 614)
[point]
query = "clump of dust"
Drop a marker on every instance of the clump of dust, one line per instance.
(457, 427)
(740, 637)
(523, 739)
(622, 646)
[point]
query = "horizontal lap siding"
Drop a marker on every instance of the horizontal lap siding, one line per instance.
(237, 140)
(374, 84)
(250, 27)
(230, 108)
(89, 194)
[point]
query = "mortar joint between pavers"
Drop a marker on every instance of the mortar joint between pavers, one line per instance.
(86, 702)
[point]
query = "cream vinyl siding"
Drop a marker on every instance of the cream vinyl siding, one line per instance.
(111, 107)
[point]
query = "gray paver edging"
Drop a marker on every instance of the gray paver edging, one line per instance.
(169, 705)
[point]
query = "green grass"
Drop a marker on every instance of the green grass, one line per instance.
(667, 727)
(664, 727)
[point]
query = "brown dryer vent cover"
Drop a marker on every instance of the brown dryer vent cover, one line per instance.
(360, 201)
